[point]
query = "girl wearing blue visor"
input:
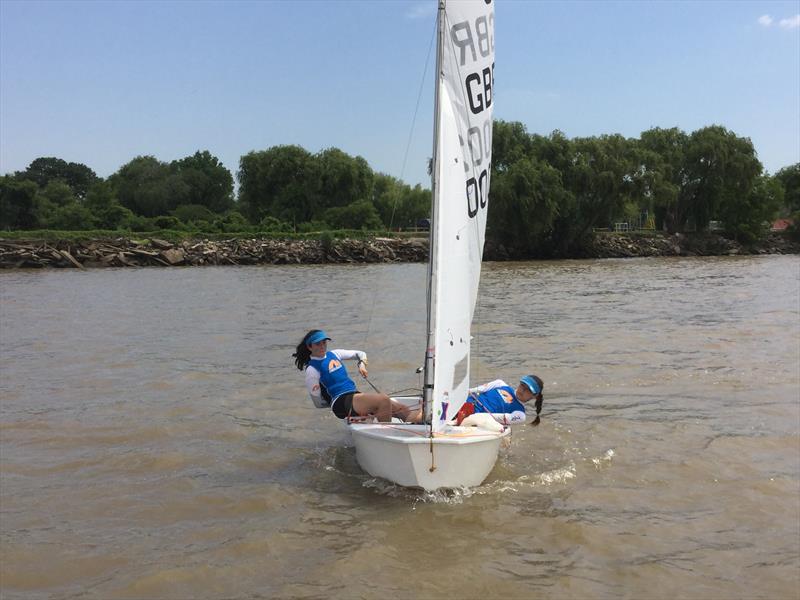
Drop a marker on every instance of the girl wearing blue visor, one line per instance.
(505, 404)
(330, 386)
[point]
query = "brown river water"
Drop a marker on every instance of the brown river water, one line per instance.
(157, 441)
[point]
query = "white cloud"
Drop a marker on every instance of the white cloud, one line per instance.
(791, 22)
(765, 20)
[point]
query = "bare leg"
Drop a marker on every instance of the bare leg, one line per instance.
(407, 414)
(384, 408)
(379, 405)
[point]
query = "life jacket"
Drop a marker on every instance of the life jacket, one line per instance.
(333, 377)
(498, 400)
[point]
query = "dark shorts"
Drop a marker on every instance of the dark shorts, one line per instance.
(343, 407)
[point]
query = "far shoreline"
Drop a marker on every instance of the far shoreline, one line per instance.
(20, 252)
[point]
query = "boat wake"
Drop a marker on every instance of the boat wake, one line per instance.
(547, 479)
(341, 461)
(606, 458)
(418, 495)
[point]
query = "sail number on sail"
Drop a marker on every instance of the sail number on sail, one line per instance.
(473, 45)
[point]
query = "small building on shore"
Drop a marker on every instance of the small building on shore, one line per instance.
(781, 224)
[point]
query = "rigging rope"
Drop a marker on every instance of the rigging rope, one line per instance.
(414, 119)
(402, 173)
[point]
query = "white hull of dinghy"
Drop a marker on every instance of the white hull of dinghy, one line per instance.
(461, 457)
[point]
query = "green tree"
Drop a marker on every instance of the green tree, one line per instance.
(556, 150)
(272, 224)
(510, 143)
(167, 222)
(789, 177)
(232, 222)
(415, 204)
(602, 177)
(357, 215)
(18, 203)
(274, 182)
(695, 175)
(44, 170)
(73, 216)
(58, 193)
(747, 216)
(663, 159)
(386, 194)
(576, 185)
(189, 213)
(720, 168)
(148, 187)
(397, 203)
(54, 206)
(208, 182)
(338, 179)
(525, 200)
(107, 212)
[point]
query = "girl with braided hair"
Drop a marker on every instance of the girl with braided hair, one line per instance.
(503, 402)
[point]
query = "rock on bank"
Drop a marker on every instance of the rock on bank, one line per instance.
(126, 252)
(628, 245)
(613, 245)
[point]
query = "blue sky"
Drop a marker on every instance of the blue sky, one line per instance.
(102, 82)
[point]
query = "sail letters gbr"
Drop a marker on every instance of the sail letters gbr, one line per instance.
(471, 41)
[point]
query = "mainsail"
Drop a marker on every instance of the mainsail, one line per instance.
(462, 161)
(449, 456)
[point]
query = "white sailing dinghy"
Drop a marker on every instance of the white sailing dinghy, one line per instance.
(441, 455)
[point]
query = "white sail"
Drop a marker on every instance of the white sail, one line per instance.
(452, 456)
(461, 187)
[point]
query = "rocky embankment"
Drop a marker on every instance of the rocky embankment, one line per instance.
(125, 252)
(629, 245)
(694, 244)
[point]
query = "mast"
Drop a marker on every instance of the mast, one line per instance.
(427, 391)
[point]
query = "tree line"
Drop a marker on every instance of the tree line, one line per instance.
(548, 193)
(282, 189)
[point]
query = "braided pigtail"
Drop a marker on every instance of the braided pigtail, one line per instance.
(539, 400)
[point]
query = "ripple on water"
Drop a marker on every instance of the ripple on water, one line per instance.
(167, 449)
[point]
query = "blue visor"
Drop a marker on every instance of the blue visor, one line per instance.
(531, 384)
(317, 337)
